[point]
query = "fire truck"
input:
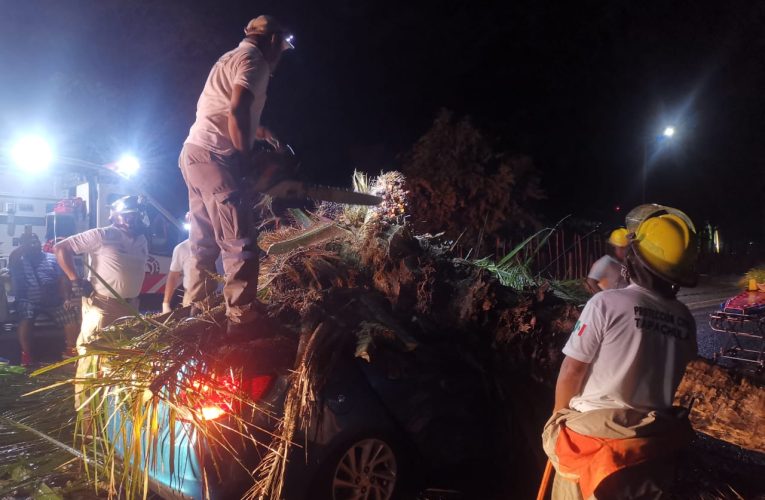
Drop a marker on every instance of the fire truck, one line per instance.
(57, 206)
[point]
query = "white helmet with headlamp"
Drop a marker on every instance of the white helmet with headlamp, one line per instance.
(128, 213)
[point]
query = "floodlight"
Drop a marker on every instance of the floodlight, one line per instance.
(127, 166)
(32, 154)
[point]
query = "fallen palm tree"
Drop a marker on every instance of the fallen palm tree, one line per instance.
(338, 282)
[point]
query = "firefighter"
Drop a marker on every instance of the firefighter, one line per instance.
(214, 158)
(608, 271)
(614, 432)
(118, 255)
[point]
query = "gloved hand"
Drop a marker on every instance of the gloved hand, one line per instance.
(166, 307)
(81, 288)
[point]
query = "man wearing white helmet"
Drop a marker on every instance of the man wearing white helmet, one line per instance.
(214, 158)
(118, 255)
(614, 432)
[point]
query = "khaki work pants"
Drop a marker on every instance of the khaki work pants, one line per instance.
(222, 223)
(98, 312)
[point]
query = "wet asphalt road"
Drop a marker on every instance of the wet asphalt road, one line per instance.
(704, 300)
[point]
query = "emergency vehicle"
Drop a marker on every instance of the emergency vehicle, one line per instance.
(57, 206)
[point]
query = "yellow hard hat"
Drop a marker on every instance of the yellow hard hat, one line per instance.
(618, 237)
(666, 244)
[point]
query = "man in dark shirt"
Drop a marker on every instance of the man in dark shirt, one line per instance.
(39, 285)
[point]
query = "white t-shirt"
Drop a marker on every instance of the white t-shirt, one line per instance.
(182, 262)
(115, 256)
(243, 66)
(607, 271)
(638, 344)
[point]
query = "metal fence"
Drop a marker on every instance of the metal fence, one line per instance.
(565, 255)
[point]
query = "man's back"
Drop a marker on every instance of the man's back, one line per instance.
(638, 343)
(607, 272)
(244, 66)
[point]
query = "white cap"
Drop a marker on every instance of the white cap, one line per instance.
(266, 25)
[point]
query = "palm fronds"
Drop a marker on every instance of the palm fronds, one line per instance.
(511, 270)
(314, 235)
(153, 383)
(35, 457)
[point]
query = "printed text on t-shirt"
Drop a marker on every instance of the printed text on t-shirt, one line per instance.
(662, 322)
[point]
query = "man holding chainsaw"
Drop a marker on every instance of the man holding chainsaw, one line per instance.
(215, 157)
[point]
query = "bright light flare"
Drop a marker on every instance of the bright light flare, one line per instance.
(669, 131)
(127, 166)
(211, 412)
(187, 226)
(716, 240)
(32, 154)
(288, 42)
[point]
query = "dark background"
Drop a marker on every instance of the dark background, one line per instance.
(581, 87)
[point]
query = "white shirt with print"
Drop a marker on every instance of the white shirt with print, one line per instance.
(638, 344)
(118, 258)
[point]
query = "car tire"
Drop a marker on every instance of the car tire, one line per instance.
(370, 466)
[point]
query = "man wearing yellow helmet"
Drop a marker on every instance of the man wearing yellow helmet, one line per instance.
(614, 432)
(607, 272)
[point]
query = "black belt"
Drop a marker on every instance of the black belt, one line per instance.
(106, 298)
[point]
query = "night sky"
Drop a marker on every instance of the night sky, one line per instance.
(581, 87)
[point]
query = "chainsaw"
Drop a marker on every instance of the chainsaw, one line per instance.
(274, 172)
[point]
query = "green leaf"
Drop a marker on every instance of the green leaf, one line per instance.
(313, 236)
(301, 218)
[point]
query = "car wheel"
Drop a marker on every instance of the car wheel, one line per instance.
(367, 469)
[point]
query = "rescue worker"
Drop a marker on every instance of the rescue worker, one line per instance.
(39, 285)
(214, 158)
(608, 271)
(118, 255)
(614, 432)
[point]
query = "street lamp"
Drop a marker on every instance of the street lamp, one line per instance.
(668, 133)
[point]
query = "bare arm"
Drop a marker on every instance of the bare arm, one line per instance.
(239, 120)
(592, 285)
(173, 278)
(65, 258)
(570, 381)
(63, 287)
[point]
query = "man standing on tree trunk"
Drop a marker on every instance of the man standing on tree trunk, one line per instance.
(214, 158)
(614, 432)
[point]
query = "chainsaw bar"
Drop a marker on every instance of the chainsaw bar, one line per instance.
(291, 189)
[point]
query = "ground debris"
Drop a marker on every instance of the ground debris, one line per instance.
(725, 405)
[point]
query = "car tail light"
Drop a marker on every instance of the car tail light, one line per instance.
(213, 397)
